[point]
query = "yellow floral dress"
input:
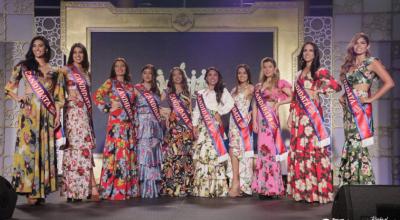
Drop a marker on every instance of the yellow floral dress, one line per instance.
(34, 164)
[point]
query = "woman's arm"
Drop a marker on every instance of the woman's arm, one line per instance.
(387, 80)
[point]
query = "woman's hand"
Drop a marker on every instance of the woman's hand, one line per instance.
(255, 127)
(115, 106)
(218, 118)
(366, 100)
(195, 133)
(22, 99)
(342, 101)
(289, 121)
(276, 106)
(57, 122)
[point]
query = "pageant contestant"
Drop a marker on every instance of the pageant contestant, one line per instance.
(177, 165)
(240, 165)
(269, 94)
(209, 148)
(357, 74)
(149, 133)
(78, 179)
(309, 166)
(119, 179)
(34, 164)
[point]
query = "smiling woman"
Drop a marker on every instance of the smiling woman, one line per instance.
(119, 178)
(34, 163)
(357, 74)
(209, 149)
(78, 179)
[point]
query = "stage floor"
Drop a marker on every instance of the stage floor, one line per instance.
(166, 208)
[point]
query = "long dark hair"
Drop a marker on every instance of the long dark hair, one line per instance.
(220, 86)
(350, 58)
(113, 75)
(85, 61)
(30, 62)
(171, 84)
(248, 73)
(154, 87)
(315, 63)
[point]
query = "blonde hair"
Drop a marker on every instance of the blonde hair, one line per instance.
(350, 58)
(275, 77)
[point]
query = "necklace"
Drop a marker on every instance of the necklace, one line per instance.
(242, 88)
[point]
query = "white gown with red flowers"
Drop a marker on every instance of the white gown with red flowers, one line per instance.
(77, 159)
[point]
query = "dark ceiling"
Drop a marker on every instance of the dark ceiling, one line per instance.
(312, 7)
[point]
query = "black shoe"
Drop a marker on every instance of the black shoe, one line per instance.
(69, 200)
(264, 197)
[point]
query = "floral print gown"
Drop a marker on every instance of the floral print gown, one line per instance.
(309, 166)
(356, 167)
(149, 140)
(210, 178)
(177, 171)
(34, 163)
(119, 178)
(267, 176)
(237, 146)
(77, 157)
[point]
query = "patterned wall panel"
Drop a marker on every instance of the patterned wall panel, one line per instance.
(49, 27)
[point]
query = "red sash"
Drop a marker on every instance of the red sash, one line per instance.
(362, 115)
(313, 114)
(244, 131)
(180, 110)
(151, 101)
(47, 101)
(269, 115)
(124, 98)
(215, 133)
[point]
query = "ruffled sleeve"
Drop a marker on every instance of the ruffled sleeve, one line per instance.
(326, 83)
(100, 94)
(283, 84)
(227, 103)
(13, 82)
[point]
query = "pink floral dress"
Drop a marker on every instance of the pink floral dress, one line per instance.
(267, 179)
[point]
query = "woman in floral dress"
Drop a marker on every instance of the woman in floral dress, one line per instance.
(78, 179)
(274, 93)
(210, 176)
(309, 166)
(240, 165)
(149, 133)
(34, 164)
(119, 178)
(359, 69)
(177, 169)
